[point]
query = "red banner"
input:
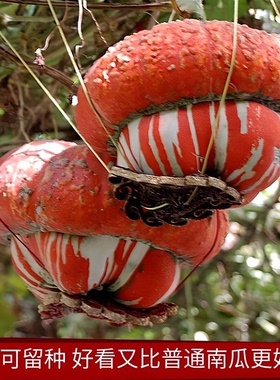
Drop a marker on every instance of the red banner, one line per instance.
(48, 359)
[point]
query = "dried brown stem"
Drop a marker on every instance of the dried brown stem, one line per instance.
(163, 7)
(45, 70)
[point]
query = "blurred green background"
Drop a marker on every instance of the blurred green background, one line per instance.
(236, 296)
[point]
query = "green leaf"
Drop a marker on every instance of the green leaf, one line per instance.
(223, 9)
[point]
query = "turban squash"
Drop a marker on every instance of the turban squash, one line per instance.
(157, 94)
(75, 248)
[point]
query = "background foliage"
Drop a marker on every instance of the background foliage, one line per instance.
(233, 297)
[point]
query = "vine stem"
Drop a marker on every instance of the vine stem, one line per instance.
(80, 78)
(275, 7)
(46, 70)
(223, 98)
(52, 98)
(164, 6)
(216, 123)
(20, 240)
(82, 83)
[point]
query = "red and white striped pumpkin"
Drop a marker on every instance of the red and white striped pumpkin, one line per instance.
(89, 243)
(174, 64)
(245, 153)
(134, 273)
(171, 74)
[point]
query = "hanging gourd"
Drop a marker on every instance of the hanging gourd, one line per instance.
(60, 186)
(156, 95)
(86, 260)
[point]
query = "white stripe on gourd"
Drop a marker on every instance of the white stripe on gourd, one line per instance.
(242, 111)
(112, 263)
(37, 279)
(194, 137)
(247, 169)
(271, 172)
(156, 277)
(221, 138)
(135, 258)
(243, 122)
(98, 251)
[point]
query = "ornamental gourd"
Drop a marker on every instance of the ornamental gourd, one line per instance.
(60, 186)
(75, 248)
(157, 94)
(245, 156)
